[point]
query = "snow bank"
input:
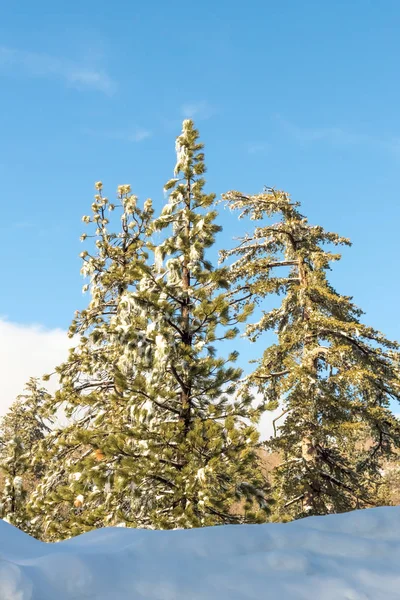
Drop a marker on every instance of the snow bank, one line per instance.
(354, 556)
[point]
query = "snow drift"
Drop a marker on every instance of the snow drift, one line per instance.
(353, 556)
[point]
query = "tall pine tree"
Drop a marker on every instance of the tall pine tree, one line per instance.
(332, 376)
(200, 454)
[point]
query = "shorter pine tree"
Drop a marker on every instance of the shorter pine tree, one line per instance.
(21, 429)
(85, 484)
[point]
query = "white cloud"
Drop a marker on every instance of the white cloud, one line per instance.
(28, 351)
(266, 426)
(45, 66)
(200, 110)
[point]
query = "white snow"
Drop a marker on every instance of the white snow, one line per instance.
(353, 556)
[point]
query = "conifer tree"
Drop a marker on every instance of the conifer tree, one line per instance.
(84, 485)
(156, 439)
(333, 376)
(21, 429)
(200, 456)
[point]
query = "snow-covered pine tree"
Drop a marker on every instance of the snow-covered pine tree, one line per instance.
(21, 429)
(85, 484)
(155, 440)
(332, 376)
(199, 454)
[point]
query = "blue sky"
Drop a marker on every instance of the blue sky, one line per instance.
(303, 96)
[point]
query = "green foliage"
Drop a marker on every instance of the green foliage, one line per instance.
(161, 430)
(333, 376)
(199, 453)
(81, 489)
(157, 435)
(21, 429)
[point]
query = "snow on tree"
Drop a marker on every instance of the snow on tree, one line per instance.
(21, 429)
(82, 486)
(156, 437)
(200, 455)
(332, 376)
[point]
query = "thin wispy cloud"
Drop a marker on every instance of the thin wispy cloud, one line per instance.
(139, 135)
(338, 136)
(24, 225)
(133, 135)
(257, 147)
(199, 110)
(334, 135)
(46, 66)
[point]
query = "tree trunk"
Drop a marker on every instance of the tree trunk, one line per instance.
(185, 416)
